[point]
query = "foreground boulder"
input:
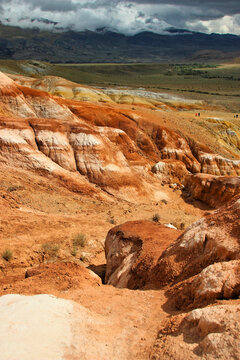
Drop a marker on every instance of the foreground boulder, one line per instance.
(132, 251)
(46, 327)
(201, 265)
(214, 238)
(209, 333)
(218, 281)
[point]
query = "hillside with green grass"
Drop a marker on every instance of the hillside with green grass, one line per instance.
(213, 83)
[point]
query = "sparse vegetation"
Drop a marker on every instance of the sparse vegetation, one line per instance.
(111, 220)
(14, 188)
(51, 249)
(156, 218)
(182, 226)
(74, 251)
(198, 81)
(79, 240)
(7, 255)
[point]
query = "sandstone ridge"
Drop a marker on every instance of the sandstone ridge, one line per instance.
(86, 144)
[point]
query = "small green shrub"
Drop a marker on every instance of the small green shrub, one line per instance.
(50, 248)
(182, 226)
(12, 188)
(111, 220)
(15, 188)
(7, 254)
(156, 218)
(74, 251)
(79, 240)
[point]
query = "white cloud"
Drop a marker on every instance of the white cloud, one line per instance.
(124, 16)
(225, 25)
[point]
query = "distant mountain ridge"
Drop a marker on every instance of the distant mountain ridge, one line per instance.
(104, 46)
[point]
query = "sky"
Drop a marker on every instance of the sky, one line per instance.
(127, 17)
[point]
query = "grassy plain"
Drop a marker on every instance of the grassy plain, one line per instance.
(214, 83)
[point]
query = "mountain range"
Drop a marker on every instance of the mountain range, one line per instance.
(104, 46)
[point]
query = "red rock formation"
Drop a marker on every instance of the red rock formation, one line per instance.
(174, 146)
(214, 238)
(217, 281)
(100, 143)
(132, 251)
(136, 259)
(213, 190)
(218, 165)
(57, 277)
(170, 171)
(198, 268)
(209, 333)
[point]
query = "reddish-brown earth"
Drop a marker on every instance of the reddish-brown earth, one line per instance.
(132, 252)
(213, 190)
(72, 169)
(199, 268)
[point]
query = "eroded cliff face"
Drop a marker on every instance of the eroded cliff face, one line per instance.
(213, 190)
(100, 145)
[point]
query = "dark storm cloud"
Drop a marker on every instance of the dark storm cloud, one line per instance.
(46, 5)
(126, 16)
(229, 7)
(54, 5)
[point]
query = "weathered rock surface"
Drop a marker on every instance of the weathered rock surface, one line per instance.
(174, 146)
(132, 251)
(57, 329)
(217, 165)
(213, 190)
(217, 281)
(58, 86)
(60, 276)
(135, 258)
(214, 238)
(170, 171)
(200, 267)
(110, 147)
(209, 333)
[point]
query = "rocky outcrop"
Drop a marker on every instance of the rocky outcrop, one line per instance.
(217, 281)
(136, 258)
(51, 138)
(200, 267)
(170, 171)
(217, 165)
(52, 278)
(173, 146)
(84, 142)
(57, 329)
(210, 333)
(214, 238)
(132, 251)
(58, 86)
(213, 190)
(25, 102)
